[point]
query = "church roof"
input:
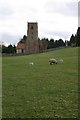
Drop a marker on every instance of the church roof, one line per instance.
(21, 46)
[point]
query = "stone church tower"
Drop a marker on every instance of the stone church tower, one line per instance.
(32, 38)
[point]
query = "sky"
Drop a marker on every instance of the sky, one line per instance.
(56, 19)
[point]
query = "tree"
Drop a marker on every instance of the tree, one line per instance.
(14, 49)
(24, 39)
(78, 37)
(51, 44)
(56, 43)
(4, 49)
(61, 43)
(68, 43)
(72, 40)
(9, 49)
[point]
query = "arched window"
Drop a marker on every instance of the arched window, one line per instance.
(31, 27)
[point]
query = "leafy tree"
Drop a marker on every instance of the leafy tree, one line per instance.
(72, 40)
(4, 49)
(0, 49)
(23, 40)
(14, 49)
(51, 44)
(9, 49)
(56, 43)
(61, 43)
(78, 37)
(67, 43)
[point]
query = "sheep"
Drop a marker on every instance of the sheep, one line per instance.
(53, 61)
(31, 63)
(60, 60)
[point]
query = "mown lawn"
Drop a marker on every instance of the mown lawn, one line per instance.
(41, 90)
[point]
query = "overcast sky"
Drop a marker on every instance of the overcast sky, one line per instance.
(56, 18)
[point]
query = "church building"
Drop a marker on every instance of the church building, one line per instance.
(31, 43)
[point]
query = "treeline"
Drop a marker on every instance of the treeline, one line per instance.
(45, 43)
(9, 49)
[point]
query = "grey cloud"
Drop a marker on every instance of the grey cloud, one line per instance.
(79, 14)
(79, 8)
(69, 9)
(9, 38)
(5, 11)
(60, 34)
(72, 8)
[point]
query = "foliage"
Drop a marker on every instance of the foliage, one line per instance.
(48, 44)
(9, 49)
(75, 39)
(72, 41)
(23, 40)
(51, 43)
(78, 37)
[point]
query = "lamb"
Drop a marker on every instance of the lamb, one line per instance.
(31, 63)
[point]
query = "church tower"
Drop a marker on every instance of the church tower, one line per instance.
(32, 37)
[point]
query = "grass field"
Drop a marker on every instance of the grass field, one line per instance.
(41, 90)
(0, 86)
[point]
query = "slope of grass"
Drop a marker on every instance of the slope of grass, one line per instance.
(0, 86)
(41, 90)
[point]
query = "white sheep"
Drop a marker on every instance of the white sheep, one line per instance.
(53, 61)
(31, 63)
(60, 60)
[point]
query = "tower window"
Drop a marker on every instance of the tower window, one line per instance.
(31, 27)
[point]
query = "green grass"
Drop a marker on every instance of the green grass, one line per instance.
(0, 87)
(41, 90)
